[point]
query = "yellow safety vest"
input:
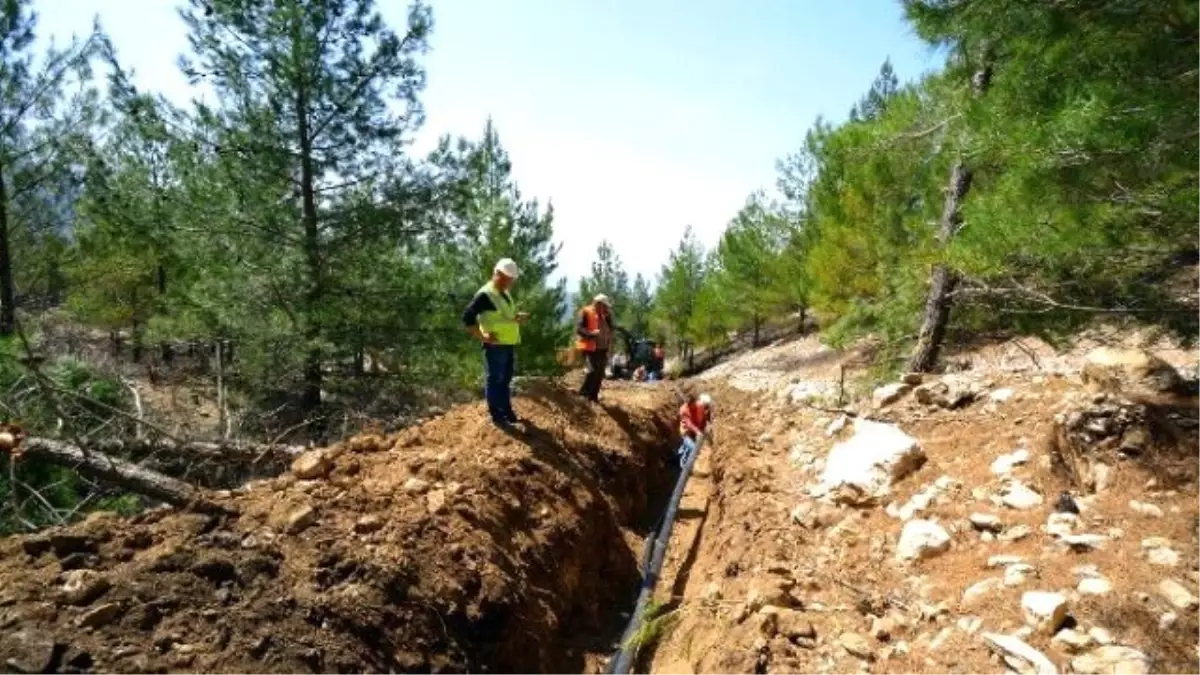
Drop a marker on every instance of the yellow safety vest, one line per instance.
(501, 323)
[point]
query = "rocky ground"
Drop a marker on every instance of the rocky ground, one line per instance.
(449, 547)
(1036, 512)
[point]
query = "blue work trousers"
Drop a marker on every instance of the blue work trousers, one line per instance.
(498, 362)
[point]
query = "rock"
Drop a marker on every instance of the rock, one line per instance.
(83, 587)
(1145, 509)
(1112, 659)
(922, 539)
(1155, 542)
(986, 522)
(1083, 542)
(1177, 595)
(1044, 611)
(981, 590)
(435, 501)
(1094, 586)
(931, 612)
(1015, 575)
(930, 394)
(100, 615)
(1000, 395)
(415, 486)
(29, 651)
(882, 628)
(794, 626)
(1134, 441)
(312, 465)
(1130, 371)
(300, 519)
(1168, 620)
(368, 524)
(1015, 533)
(1019, 655)
(1017, 496)
(857, 645)
(871, 460)
(1004, 561)
(889, 394)
(835, 427)
(1061, 524)
(1163, 557)
(1100, 635)
(1100, 476)
(912, 379)
(979, 494)
(970, 624)
(1072, 641)
(1004, 464)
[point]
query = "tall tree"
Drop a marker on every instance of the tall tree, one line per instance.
(314, 100)
(750, 254)
(37, 124)
(679, 286)
(610, 278)
(641, 305)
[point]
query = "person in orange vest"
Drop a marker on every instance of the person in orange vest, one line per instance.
(695, 420)
(594, 330)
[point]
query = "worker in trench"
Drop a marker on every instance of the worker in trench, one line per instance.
(695, 422)
(492, 319)
(594, 332)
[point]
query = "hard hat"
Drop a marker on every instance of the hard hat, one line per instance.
(507, 267)
(602, 299)
(705, 399)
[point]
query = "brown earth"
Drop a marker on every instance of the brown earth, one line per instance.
(449, 547)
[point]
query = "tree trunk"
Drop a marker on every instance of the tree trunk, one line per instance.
(120, 473)
(311, 399)
(757, 329)
(8, 296)
(942, 280)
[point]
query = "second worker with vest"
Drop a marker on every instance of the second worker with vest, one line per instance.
(594, 331)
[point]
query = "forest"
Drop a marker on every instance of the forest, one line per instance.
(279, 250)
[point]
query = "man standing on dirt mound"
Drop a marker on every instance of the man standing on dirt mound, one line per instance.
(493, 319)
(594, 330)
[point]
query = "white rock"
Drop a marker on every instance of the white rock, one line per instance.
(889, 394)
(979, 494)
(1100, 476)
(1177, 595)
(1011, 648)
(970, 624)
(1004, 560)
(835, 427)
(1168, 620)
(922, 539)
(1145, 509)
(1061, 524)
(1156, 542)
(1004, 464)
(876, 456)
(1163, 557)
(1083, 542)
(1084, 571)
(1044, 611)
(986, 522)
(1001, 395)
(415, 485)
(1100, 635)
(981, 590)
(1015, 575)
(1094, 586)
(1112, 659)
(1017, 496)
(1015, 533)
(1072, 641)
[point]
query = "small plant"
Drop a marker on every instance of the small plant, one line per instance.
(656, 624)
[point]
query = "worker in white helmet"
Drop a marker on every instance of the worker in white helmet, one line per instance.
(594, 337)
(493, 319)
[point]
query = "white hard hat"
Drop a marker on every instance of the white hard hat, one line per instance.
(602, 299)
(705, 399)
(507, 267)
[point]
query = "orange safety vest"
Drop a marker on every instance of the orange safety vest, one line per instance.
(592, 323)
(696, 413)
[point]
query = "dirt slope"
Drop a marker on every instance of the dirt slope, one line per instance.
(449, 547)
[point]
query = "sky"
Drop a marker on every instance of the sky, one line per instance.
(635, 118)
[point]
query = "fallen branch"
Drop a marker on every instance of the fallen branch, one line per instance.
(120, 473)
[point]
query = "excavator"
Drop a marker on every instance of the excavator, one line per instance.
(638, 352)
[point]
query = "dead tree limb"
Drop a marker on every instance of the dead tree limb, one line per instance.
(120, 473)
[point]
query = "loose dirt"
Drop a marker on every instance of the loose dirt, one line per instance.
(448, 547)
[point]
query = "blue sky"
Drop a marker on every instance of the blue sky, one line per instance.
(635, 117)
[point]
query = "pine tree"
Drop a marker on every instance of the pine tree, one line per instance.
(641, 305)
(679, 286)
(38, 126)
(315, 100)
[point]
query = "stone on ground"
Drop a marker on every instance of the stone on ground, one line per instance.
(1019, 655)
(1094, 586)
(871, 460)
(857, 645)
(1044, 611)
(1004, 464)
(1017, 495)
(1177, 595)
(1112, 659)
(1145, 509)
(312, 465)
(889, 394)
(1129, 371)
(986, 522)
(922, 539)
(1072, 641)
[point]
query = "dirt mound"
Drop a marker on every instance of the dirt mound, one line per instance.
(448, 547)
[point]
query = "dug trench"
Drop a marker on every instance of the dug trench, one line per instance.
(451, 546)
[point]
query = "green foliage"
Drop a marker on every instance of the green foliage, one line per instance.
(610, 278)
(679, 286)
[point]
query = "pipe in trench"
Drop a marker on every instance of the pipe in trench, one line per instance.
(655, 555)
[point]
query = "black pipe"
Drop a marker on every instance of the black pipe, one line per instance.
(655, 554)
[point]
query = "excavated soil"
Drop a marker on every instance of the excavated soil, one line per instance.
(448, 547)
